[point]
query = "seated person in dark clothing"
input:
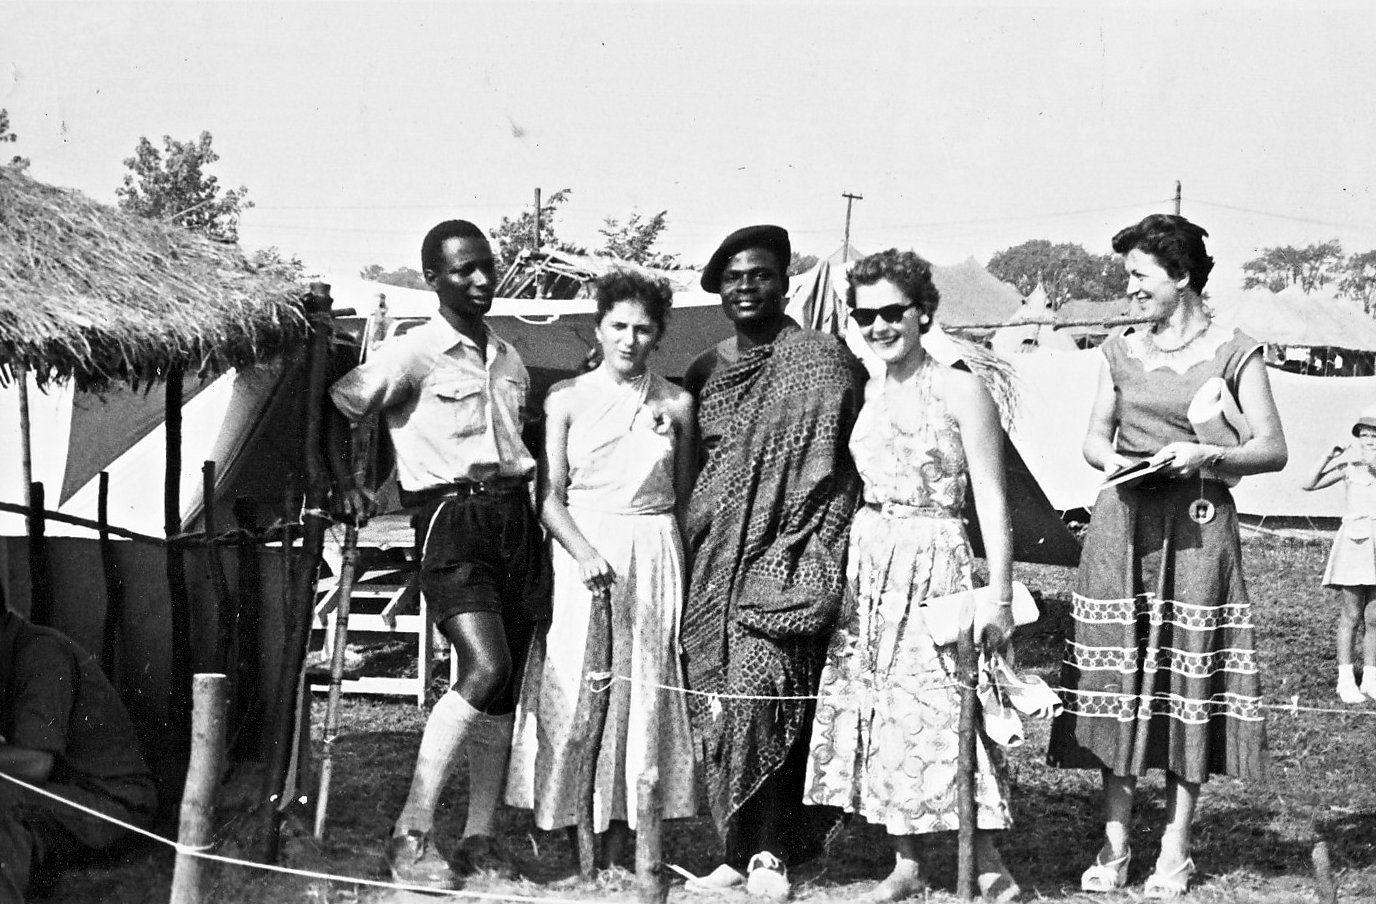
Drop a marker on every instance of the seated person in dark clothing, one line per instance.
(64, 730)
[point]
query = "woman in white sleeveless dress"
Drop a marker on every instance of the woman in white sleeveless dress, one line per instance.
(618, 450)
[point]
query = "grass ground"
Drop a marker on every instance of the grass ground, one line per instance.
(1253, 844)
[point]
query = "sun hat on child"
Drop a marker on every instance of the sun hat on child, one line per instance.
(1366, 419)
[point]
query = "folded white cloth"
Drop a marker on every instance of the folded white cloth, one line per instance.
(946, 615)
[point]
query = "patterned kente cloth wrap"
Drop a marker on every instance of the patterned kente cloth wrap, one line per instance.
(767, 529)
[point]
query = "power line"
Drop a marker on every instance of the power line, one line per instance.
(1285, 216)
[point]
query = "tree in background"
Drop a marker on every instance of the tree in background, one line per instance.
(516, 235)
(634, 240)
(271, 260)
(1311, 268)
(8, 137)
(406, 277)
(801, 263)
(1359, 280)
(1066, 271)
(171, 185)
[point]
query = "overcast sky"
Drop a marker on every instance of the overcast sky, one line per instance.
(967, 128)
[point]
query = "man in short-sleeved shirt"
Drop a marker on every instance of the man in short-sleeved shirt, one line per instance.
(64, 730)
(453, 396)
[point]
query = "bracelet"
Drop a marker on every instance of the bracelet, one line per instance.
(1005, 604)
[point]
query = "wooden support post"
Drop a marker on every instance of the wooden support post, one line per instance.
(179, 704)
(1327, 889)
(40, 585)
(649, 842)
(114, 585)
(593, 697)
(347, 572)
(296, 630)
(967, 676)
(248, 715)
(196, 826)
(21, 378)
(225, 611)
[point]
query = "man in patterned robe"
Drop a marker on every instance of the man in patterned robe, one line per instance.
(766, 529)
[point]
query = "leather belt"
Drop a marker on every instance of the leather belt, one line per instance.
(464, 489)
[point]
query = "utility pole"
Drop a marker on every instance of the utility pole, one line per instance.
(1177, 197)
(536, 243)
(850, 199)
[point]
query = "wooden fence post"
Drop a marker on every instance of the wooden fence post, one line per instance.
(347, 572)
(587, 742)
(967, 676)
(196, 826)
(649, 842)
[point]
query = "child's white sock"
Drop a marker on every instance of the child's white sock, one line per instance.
(450, 722)
(1347, 685)
(1369, 680)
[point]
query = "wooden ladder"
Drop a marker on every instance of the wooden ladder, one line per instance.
(383, 600)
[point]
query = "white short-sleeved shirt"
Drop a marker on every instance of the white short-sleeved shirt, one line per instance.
(451, 414)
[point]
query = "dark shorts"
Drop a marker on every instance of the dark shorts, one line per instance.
(483, 553)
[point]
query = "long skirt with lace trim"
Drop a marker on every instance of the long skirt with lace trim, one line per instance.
(1160, 670)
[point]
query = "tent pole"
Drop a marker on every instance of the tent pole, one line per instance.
(114, 588)
(25, 430)
(296, 631)
(40, 587)
(179, 704)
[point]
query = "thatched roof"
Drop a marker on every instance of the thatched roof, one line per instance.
(91, 293)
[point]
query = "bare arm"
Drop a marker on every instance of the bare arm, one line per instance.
(684, 415)
(982, 438)
(1265, 451)
(26, 764)
(1325, 471)
(1103, 425)
(554, 513)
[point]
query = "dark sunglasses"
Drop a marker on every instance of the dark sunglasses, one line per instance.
(892, 313)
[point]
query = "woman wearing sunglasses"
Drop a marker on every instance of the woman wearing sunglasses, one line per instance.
(884, 741)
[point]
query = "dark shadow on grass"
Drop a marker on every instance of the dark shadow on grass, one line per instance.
(1351, 839)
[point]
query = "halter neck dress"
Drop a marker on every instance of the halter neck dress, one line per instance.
(621, 496)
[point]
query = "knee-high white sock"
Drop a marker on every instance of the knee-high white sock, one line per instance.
(489, 748)
(450, 722)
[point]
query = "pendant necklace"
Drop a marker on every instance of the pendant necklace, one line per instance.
(1201, 510)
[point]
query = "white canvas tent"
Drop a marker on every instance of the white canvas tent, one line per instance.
(1019, 336)
(1057, 390)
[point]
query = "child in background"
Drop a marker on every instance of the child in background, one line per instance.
(1352, 564)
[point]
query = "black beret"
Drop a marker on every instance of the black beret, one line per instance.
(771, 238)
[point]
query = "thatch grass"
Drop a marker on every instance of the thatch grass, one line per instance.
(99, 296)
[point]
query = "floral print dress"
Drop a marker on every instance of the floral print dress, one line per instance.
(885, 737)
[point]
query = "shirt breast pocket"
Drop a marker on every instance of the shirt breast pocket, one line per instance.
(460, 403)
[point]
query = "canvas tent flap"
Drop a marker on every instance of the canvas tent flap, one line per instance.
(1291, 317)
